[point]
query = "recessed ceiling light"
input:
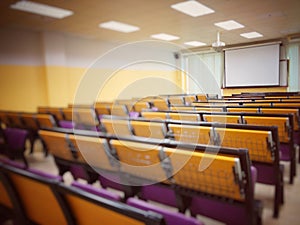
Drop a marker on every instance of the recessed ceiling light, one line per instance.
(251, 35)
(118, 26)
(165, 37)
(192, 8)
(42, 9)
(195, 43)
(229, 25)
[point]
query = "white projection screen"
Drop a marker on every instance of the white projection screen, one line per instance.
(252, 66)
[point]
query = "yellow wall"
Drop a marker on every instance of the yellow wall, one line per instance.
(128, 84)
(57, 85)
(22, 88)
(75, 75)
(62, 84)
(108, 85)
(230, 91)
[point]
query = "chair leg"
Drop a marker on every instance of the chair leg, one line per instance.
(277, 200)
(297, 149)
(258, 212)
(279, 193)
(62, 169)
(92, 177)
(182, 202)
(31, 140)
(46, 152)
(193, 214)
(25, 161)
(281, 184)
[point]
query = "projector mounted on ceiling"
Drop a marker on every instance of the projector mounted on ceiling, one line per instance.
(218, 45)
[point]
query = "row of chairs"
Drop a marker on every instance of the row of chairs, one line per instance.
(125, 107)
(121, 107)
(284, 102)
(89, 118)
(284, 123)
(31, 122)
(160, 132)
(248, 109)
(294, 111)
(263, 95)
(271, 102)
(181, 175)
(266, 104)
(160, 102)
(73, 117)
(87, 115)
(57, 203)
(262, 142)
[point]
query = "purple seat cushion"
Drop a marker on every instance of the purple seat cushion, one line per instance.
(265, 173)
(45, 175)
(32, 170)
(285, 152)
(296, 137)
(78, 171)
(13, 163)
(66, 124)
(254, 176)
(218, 210)
(134, 114)
(100, 117)
(97, 191)
(84, 127)
(94, 128)
(15, 138)
(171, 218)
(158, 193)
(111, 181)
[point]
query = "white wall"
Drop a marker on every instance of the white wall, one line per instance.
(20, 47)
(204, 72)
(294, 67)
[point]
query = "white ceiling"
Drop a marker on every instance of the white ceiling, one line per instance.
(272, 18)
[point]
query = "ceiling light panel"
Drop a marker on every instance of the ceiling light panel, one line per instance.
(192, 8)
(42, 9)
(195, 43)
(251, 35)
(229, 25)
(165, 37)
(118, 26)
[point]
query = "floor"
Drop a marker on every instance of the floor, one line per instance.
(289, 212)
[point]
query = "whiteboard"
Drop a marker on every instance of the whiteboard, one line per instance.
(252, 66)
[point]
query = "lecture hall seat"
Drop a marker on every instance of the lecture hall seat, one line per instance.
(15, 143)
